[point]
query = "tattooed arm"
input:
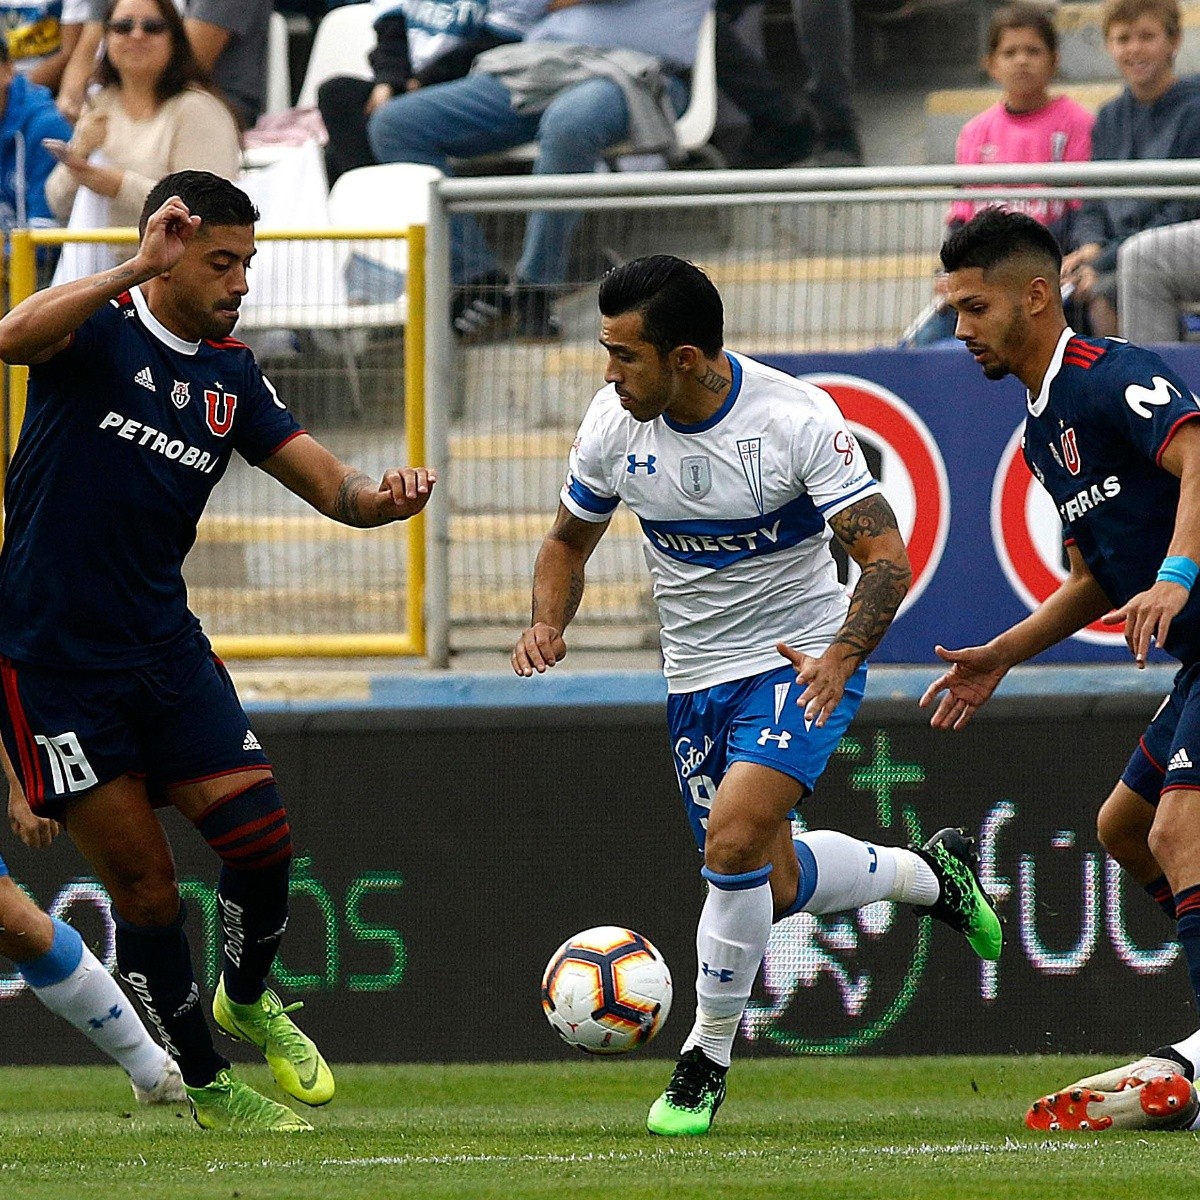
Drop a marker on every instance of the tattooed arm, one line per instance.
(868, 531)
(42, 324)
(340, 492)
(557, 591)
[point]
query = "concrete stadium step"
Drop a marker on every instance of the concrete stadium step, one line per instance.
(947, 111)
(1081, 52)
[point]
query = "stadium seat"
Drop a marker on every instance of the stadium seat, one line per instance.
(343, 40)
(278, 96)
(339, 288)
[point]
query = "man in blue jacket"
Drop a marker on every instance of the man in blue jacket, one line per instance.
(29, 116)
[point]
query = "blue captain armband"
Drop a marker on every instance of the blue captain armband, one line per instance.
(1177, 568)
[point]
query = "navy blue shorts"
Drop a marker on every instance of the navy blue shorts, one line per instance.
(751, 720)
(1168, 753)
(178, 720)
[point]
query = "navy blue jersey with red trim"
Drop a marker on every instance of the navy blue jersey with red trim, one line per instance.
(126, 433)
(1095, 436)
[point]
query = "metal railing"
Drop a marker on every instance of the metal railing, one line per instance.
(806, 260)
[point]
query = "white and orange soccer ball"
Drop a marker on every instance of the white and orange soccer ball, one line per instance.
(606, 990)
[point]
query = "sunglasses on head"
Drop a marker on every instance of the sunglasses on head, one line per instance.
(126, 25)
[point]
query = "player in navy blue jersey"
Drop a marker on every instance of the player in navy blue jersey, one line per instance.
(113, 700)
(1112, 433)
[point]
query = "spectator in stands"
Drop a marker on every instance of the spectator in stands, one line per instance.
(1026, 125)
(1156, 116)
(43, 36)
(29, 116)
(1158, 272)
(823, 132)
(418, 43)
(229, 40)
(591, 74)
(154, 114)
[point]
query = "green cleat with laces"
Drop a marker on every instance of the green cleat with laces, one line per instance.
(293, 1057)
(962, 904)
(687, 1107)
(229, 1104)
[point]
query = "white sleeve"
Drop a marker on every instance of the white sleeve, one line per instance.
(588, 493)
(828, 460)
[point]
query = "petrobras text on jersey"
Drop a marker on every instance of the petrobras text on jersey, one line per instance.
(153, 439)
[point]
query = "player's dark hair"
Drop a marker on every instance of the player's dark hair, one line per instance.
(1022, 16)
(183, 70)
(214, 200)
(678, 303)
(996, 236)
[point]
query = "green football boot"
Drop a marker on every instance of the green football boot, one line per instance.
(229, 1104)
(692, 1097)
(962, 904)
(292, 1056)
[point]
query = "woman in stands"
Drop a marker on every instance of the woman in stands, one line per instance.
(1026, 125)
(152, 115)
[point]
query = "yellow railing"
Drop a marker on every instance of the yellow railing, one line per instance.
(23, 282)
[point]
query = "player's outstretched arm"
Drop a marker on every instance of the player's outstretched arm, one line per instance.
(1149, 614)
(340, 492)
(976, 671)
(557, 590)
(872, 538)
(41, 325)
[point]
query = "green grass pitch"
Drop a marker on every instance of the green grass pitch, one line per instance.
(834, 1128)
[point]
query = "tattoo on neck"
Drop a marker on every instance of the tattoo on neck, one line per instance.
(713, 382)
(345, 503)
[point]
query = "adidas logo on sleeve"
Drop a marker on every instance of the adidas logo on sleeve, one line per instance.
(1179, 760)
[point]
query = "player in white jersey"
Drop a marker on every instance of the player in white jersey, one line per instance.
(740, 476)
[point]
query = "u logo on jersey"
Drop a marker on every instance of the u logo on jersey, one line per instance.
(1070, 451)
(219, 408)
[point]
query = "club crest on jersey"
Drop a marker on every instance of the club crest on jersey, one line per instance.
(219, 408)
(750, 452)
(179, 393)
(1070, 451)
(695, 475)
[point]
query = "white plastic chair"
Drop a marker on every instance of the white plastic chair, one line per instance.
(278, 96)
(288, 292)
(343, 40)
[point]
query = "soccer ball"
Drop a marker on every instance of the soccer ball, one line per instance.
(606, 990)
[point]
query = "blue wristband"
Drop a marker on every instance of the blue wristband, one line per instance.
(1177, 568)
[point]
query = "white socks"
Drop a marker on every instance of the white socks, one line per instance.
(90, 999)
(731, 939)
(851, 873)
(837, 874)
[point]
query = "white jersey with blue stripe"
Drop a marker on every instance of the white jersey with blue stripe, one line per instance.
(735, 514)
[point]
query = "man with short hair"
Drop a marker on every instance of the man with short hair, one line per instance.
(113, 700)
(1111, 433)
(741, 476)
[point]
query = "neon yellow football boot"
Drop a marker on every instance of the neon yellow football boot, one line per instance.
(229, 1104)
(292, 1056)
